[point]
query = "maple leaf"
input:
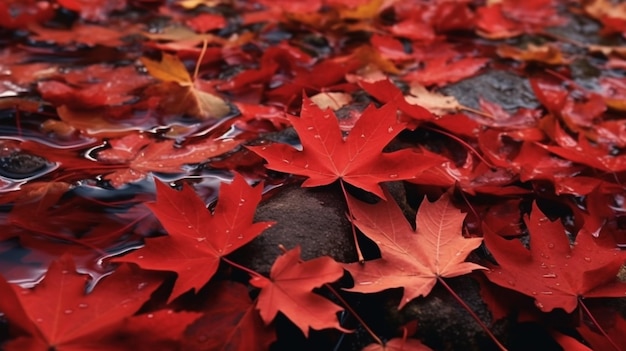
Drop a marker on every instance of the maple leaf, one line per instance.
(289, 291)
(144, 155)
(552, 272)
(436, 103)
(331, 100)
(192, 4)
(358, 160)
(413, 260)
(440, 71)
(94, 86)
(188, 96)
(159, 330)
(385, 91)
(229, 321)
(58, 314)
(548, 54)
(93, 10)
(82, 34)
(21, 14)
(197, 240)
(569, 343)
(399, 344)
(601, 342)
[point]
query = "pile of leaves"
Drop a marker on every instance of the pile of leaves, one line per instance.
(139, 136)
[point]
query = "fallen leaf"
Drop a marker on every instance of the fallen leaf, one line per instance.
(399, 344)
(548, 54)
(58, 314)
(188, 98)
(198, 239)
(160, 330)
(442, 71)
(331, 100)
(143, 155)
(413, 260)
(598, 341)
(436, 103)
(229, 321)
(289, 290)
(552, 272)
(93, 10)
(358, 160)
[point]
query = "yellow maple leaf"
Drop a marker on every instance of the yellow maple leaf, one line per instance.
(184, 96)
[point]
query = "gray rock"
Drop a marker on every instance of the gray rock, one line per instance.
(313, 218)
(500, 87)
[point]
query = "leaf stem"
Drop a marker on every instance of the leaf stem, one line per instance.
(462, 142)
(472, 313)
(196, 71)
(356, 242)
(478, 112)
(356, 315)
(597, 325)
(245, 269)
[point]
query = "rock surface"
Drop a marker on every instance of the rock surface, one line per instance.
(315, 219)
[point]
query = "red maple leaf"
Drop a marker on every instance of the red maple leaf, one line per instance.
(552, 272)
(229, 321)
(358, 160)
(441, 70)
(289, 291)
(144, 155)
(413, 260)
(160, 330)
(616, 332)
(197, 240)
(399, 344)
(57, 314)
(94, 86)
(97, 10)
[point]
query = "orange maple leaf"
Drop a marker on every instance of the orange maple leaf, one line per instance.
(184, 96)
(413, 260)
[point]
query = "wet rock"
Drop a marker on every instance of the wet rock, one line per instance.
(313, 218)
(443, 323)
(22, 165)
(500, 87)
